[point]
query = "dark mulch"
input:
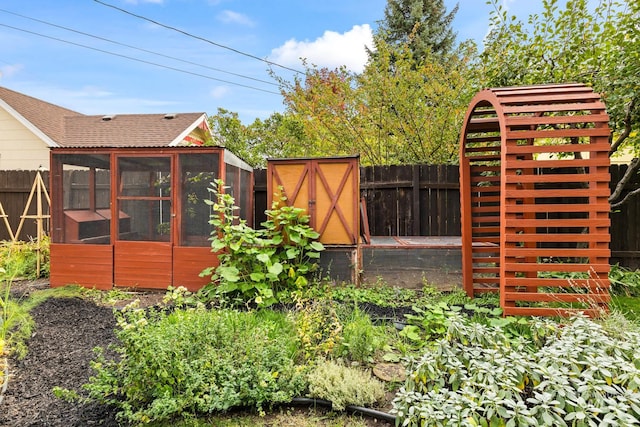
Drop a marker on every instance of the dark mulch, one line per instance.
(67, 330)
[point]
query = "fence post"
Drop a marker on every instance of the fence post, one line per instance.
(415, 175)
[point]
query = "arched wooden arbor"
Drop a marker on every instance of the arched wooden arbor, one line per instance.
(534, 185)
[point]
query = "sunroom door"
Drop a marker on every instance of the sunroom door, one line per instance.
(143, 248)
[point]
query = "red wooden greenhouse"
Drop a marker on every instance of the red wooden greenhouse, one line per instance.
(534, 176)
(135, 217)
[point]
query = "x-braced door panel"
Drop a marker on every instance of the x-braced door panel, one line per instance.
(328, 190)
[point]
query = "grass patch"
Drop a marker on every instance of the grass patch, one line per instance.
(627, 305)
(284, 417)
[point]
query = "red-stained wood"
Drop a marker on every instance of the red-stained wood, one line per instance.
(76, 256)
(145, 265)
(524, 187)
(188, 263)
(86, 265)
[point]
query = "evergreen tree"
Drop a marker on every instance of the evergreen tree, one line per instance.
(423, 25)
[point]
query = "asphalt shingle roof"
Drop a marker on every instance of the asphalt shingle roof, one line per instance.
(127, 130)
(69, 128)
(47, 117)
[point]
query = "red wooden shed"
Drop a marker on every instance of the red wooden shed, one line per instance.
(135, 217)
(534, 185)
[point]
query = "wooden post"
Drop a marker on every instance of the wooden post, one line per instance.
(4, 217)
(415, 171)
(39, 189)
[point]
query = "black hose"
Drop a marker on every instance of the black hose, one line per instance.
(371, 413)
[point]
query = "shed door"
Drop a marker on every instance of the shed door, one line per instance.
(143, 248)
(328, 189)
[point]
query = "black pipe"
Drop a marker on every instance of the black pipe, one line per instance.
(371, 413)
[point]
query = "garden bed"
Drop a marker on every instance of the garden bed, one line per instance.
(60, 350)
(59, 355)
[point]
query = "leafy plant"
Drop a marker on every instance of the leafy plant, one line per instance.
(379, 294)
(20, 259)
(624, 281)
(318, 327)
(361, 339)
(15, 322)
(4, 324)
(264, 265)
(196, 361)
(429, 323)
(576, 375)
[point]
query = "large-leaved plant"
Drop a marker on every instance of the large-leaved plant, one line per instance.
(260, 265)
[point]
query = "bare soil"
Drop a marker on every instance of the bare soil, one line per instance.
(59, 354)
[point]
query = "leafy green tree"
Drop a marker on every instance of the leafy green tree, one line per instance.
(277, 136)
(423, 25)
(398, 111)
(598, 46)
(228, 131)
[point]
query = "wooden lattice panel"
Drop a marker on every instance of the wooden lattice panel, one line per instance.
(534, 192)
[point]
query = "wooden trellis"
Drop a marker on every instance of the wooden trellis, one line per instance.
(534, 187)
(39, 189)
(5, 219)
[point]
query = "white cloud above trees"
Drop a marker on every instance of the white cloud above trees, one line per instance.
(331, 50)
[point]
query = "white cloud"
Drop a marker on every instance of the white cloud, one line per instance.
(219, 92)
(10, 70)
(332, 50)
(231, 17)
(90, 92)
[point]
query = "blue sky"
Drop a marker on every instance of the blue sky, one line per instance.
(57, 50)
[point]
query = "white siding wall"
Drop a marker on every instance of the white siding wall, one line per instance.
(19, 147)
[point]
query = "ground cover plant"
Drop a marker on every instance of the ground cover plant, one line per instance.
(198, 361)
(184, 360)
(578, 374)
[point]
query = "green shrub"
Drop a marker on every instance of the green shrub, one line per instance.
(20, 259)
(265, 265)
(361, 339)
(577, 375)
(344, 385)
(197, 362)
(318, 328)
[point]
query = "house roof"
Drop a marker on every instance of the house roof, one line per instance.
(131, 130)
(43, 118)
(61, 127)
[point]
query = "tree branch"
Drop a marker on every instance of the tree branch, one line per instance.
(627, 127)
(634, 166)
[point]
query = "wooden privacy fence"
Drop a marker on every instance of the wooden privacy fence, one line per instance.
(414, 200)
(395, 196)
(15, 188)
